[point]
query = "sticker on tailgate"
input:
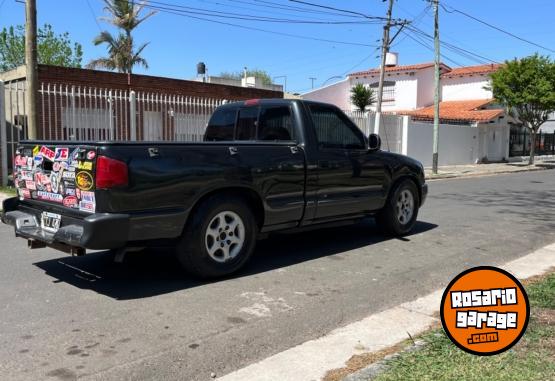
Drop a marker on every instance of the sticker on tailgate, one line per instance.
(60, 175)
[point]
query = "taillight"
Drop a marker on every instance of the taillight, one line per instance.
(110, 173)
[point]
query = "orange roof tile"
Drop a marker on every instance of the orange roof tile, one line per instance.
(472, 70)
(469, 110)
(399, 68)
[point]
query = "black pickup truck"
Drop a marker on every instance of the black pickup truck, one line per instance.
(264, 166)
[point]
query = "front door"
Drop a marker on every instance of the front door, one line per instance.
(350, 178)
(495, 140)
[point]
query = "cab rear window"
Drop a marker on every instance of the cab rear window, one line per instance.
(221, 126)
(264, 123)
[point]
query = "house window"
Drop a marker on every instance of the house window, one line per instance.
(388, 91)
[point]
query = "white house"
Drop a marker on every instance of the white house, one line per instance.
(409, 90)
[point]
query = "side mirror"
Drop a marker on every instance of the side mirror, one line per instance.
(374, 142)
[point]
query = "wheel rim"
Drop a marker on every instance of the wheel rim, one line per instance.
(405, 206)
(225, 236)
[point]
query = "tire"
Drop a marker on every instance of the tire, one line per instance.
(207, 249)
(399, 214)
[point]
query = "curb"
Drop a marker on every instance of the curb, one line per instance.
(472, 175)
(522, 268)
(311, 360)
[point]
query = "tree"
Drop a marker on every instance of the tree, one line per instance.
(122, 54)
(362, 96)
(526, 87)
(258, 73)
(52, 49)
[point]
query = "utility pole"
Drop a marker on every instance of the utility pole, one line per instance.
(312, 79)
(31, 66)
(436, 92)
(385, 49)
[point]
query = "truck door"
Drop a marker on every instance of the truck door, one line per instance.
(350, 178)
(273, 161)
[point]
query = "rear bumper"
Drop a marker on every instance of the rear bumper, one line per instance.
(99, 231)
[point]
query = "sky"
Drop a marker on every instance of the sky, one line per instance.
(177, 43)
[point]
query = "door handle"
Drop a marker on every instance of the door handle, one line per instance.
(233, 151)
(294, 149)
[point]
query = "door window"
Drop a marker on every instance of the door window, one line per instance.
(334, 129)
(276, 124)
(247, 124)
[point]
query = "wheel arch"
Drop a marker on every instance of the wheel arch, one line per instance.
(410, 177)
(249, 195)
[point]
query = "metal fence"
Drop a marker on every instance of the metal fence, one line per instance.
(520, 143)
(391, 128)
(83, 113)
(90, 113)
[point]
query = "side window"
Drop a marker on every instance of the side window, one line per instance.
(246, 123)
(334, 129)
(221, 125)
(276, 123)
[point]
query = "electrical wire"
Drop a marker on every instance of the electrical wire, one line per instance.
(241, 16)
(456, 49)
(337, 9)
(263, 30)
(93, 15)
(273, 5)
(495, 27)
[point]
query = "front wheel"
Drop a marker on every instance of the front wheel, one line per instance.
(219, 239)
(401, 209)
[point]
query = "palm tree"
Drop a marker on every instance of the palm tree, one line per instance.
(122, 55)
(362, 96)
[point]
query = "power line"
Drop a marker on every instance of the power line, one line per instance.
(266, 8)
(337, 9)
(273, 5)
(240, 16)
(361, 62)
(93, 15)
(420, 42)
(463, 52)
(495, 27)
(262, 30)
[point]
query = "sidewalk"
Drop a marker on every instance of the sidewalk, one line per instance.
(471, 170)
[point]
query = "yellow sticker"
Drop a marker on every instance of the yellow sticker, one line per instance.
(84, 181)
(36, 151)
(86, 165)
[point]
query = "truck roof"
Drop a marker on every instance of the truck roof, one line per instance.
(268, 101)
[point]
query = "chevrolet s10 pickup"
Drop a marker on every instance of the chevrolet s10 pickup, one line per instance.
(264, 166)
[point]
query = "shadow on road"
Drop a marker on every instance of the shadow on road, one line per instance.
(156, 272)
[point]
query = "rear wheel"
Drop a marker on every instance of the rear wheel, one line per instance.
(219, 239)
(401, 209)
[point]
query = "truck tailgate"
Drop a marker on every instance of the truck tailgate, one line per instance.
(58, 174)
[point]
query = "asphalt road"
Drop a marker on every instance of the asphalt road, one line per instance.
(63, 318)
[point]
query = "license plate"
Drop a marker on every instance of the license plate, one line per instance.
(50, 221)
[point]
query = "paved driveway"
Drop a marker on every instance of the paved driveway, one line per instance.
(63, 317)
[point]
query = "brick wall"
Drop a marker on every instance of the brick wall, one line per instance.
(56, 74)
(50, 113)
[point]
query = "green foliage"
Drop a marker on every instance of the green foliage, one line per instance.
(52, 49)
(440, 359)
(526, 87)
(122, 53)
(258, 73)
(362, 96)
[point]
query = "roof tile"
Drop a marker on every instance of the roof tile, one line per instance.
(468, 110)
